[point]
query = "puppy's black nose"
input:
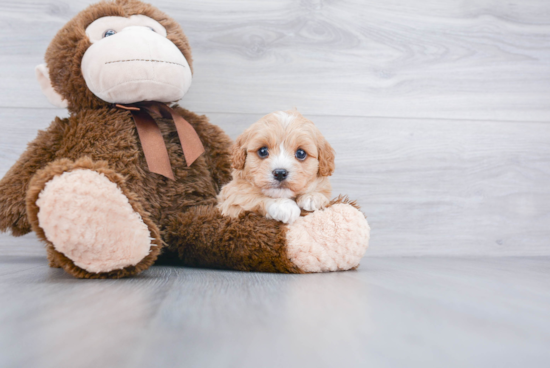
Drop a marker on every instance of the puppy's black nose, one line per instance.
(280, 174)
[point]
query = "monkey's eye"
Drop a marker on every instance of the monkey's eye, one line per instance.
(300, 154)
(108, 33)
(263, 152)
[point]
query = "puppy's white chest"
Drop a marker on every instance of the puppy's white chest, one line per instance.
(278, 193)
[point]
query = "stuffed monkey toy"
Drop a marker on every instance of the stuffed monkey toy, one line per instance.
(126, 178)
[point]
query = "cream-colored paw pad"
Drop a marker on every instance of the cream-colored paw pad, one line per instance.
(88, 219)
(333, 239)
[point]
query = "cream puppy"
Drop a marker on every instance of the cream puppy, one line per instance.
(281, 164)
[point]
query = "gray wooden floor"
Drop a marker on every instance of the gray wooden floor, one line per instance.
(391, 312)
(439, 111)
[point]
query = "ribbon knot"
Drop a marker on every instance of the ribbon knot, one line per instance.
(151, 138)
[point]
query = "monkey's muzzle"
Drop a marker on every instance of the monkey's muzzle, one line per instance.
(136, 64)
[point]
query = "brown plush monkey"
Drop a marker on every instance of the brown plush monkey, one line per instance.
(86, 185)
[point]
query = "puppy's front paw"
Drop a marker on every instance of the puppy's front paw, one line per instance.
(284, 210)
(312, 201)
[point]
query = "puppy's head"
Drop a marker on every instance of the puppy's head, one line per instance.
(282, 154)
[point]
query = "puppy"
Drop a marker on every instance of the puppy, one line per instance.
(281, 164)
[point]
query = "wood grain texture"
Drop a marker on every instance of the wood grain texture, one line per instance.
(428, 187)
(477, 59)
(438, 111)
(391, 312)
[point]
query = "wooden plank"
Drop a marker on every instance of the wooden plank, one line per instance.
(47, 315)
(428, 187)
(435, 312)
(457, 60)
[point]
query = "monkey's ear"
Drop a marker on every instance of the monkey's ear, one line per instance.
(43, 76)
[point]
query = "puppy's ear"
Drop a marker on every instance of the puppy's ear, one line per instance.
(239, 153)
(326, 157)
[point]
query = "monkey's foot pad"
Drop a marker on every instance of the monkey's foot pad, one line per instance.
(331, 239)
(88, 219)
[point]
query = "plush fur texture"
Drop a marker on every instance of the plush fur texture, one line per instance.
(60, 167)
(331, 239)
(249, 243)
(148, 68)
(102, 141)
(65, 53)
(254, 186)
(83, 213)
(108, 138)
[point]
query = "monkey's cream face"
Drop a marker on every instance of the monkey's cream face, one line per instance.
(282, 154)
(131, 60)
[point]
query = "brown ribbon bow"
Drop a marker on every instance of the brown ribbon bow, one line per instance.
(151, 138)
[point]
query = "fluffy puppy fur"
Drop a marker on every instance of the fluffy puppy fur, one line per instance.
(271, 176)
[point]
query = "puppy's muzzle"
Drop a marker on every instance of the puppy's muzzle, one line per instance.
(280, 174)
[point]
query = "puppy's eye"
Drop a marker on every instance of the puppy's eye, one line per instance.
(263, 152)
(300, 154)
(152, 29)
(108, 33)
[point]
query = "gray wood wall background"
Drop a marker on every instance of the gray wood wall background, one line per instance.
(439, 110)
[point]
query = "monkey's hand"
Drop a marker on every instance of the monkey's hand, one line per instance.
(13, 213)
(14, 185)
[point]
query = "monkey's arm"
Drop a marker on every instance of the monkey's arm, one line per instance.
(14, 185)
(331, 239)
(202, 237)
